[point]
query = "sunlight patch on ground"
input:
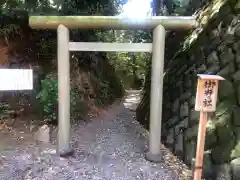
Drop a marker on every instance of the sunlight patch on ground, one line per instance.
(132, 101)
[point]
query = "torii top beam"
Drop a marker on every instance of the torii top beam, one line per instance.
(112, 22)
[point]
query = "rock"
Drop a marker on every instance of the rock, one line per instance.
(176, 105)
(226, 89)
(188, 82)
(238, 91)
(222, 47)
(229, 37)
(223, 128)
(192, 132)
(194, 116)
(179, 145)
(182, 68)
(238, 59)
(170, 137)
(211, 137)
(190, 69)
(236, 46)
(184, 109)
(236, 76)
(235, 168)
(172, 121)
(213, 69)
(222, 172)
(169, 123)
(185, 96)
(180, 127)
(213, 58)
(192, 101)
(225, 106)
(237, 29)
(235, 19)
(190, 149)
(227, 70)
(43, 134)
(215, 43)
(236, 151)
(208, 171)
(226, 56)
(215, 33)
(236, 117)
(207, 165)
(222, 153)
(201, 69)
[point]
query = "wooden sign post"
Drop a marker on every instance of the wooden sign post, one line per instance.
(206, 99)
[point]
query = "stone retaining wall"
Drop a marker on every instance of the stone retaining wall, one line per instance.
(213, 48)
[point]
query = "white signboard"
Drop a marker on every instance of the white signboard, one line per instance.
(16, 79)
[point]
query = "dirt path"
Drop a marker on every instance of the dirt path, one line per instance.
(110, 147)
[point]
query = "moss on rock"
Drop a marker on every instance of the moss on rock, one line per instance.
(222, 153)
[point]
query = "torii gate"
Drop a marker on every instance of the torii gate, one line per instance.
(158, 23)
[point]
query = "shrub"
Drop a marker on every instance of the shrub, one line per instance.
(48, 99)
(103, 95)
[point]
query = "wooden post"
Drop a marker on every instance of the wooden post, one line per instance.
(206, 99)
(64, 124)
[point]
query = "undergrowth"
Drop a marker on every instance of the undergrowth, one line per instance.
(48, 99)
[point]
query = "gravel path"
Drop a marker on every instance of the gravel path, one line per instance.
(111, 147)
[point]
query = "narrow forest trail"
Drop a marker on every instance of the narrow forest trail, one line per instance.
(110, 147)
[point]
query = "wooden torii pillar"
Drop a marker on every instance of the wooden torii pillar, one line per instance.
(157, 23)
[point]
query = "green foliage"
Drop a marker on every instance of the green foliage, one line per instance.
(7, 32)
(130, 67)
(48, 99)
(102, 94)
(5, 111)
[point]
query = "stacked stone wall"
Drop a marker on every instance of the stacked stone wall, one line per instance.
(213, 48)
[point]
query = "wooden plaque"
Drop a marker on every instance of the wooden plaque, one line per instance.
(207, 91)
